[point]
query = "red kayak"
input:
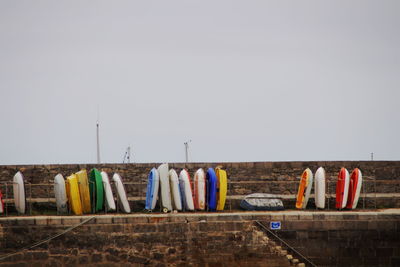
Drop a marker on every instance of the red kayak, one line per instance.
(342, 188)
(354, 188)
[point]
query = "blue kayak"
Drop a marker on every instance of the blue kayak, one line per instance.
(152, 189)
(211, 189)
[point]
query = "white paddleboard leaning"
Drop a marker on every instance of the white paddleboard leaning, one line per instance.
(109, 197)
(166, 202)
(319, 188)
(176, 194)
(186, 189)
(60, 194)
(19, 193)
(123, 200)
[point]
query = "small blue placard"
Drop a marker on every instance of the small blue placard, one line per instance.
(275, 225)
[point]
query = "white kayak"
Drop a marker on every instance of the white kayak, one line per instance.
(199, 189)
(319, 188)
(165, 187)
(109, 197)
(123, 200)
(60, 194)
(176, 194)
(19, 192)
(186, 189)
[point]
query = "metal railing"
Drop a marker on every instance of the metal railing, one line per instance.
(292, 250)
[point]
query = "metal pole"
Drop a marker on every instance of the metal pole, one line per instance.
(187, 150)
(98, 143)
(129, 154)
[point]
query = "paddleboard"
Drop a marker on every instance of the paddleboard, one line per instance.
(200, 190)
(319, 188)
(342, 188)
(222, 187)
(19, 192)
(186, 189)
(303, 194)
(354, 188)
(175, 191)
(84, 190)
(152, 189)
(109, 197)
(96, 190)
(211, 189)
(166, 202)
(72, 190)
(60, 194)
(121, 193)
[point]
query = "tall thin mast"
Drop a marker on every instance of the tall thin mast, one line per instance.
(98, 143)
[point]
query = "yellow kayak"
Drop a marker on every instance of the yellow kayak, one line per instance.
(74, 199)
(222, 187)
(84, 190)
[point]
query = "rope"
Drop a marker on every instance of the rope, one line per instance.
(46, 240)
(286, 244)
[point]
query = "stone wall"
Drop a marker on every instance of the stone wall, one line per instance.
(382, 177)
(208, 239)
(154, 241)
(344, 239)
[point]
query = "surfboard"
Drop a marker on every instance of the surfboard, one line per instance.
(186, 189)
(96, 190)
(165, 188)
(19, 193)
(211, 189)
(73, 195)
(342, 188)
(153, 183)
(354, 188)
(303, 194)
(319, 188)
(121, 193)
(222, 187)
(60, 194)
(175, 191)
(200, 190)
(109, 202)
(84, 190)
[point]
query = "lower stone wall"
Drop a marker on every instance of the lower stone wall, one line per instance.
(209, 239)
(344, 239)
(154, 241)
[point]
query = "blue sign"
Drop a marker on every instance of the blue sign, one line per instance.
(275, 225)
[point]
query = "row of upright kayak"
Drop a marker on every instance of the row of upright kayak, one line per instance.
(208, 191)
(348, 188)
(80, 192)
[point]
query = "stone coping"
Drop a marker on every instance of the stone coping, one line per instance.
(290, 215)
(233, 197)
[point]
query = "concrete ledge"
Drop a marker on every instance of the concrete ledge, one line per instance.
(289, 216)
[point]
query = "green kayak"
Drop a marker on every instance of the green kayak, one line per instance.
(96, 190)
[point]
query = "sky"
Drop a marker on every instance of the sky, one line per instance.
(243, 80)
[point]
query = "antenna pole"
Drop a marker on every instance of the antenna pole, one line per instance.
(129, 154)
(98, 143)
(187, 150)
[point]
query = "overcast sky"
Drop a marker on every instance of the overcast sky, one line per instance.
(244, 80)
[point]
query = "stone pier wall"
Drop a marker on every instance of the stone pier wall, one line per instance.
(139, 241)
(380, 177)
